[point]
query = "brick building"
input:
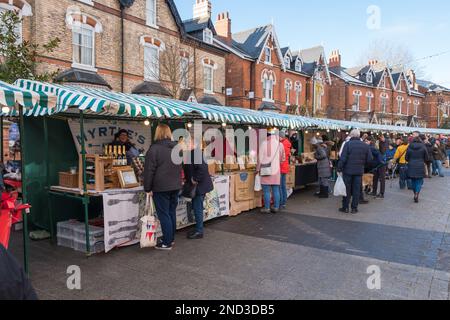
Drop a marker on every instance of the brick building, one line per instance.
(437, 104)
(375, 93)
(262, 75)
(93, 52)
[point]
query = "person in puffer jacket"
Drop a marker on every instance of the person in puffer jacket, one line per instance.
(284, 168)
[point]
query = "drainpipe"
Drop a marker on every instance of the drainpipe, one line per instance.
(122, 35)
(252, 85)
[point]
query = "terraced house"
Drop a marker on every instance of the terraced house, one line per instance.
(376, 93)
(263, 75)
(120, 45)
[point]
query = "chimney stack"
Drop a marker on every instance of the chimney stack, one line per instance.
(202, 9)
(223, 26)
(373, 62)
(412, 76)
(335, 59)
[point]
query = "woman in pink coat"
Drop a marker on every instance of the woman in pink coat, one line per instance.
(271, 155)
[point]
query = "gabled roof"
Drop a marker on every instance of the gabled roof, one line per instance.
(196, 25)
(250, 43)
(285, 50)
(431, 86)
(311, 58)
(341, 73)
(176, 16)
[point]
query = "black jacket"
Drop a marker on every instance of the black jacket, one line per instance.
(429, 148)
(416, 156)
(355, 157)
(14, 284)
(199, 173)
(161, 174)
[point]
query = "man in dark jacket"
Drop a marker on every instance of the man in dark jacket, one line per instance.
(377, 166)
(196, 173)
(14, 284)
(355, 156)
(429, 162)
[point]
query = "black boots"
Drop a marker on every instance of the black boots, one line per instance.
(416, 197)
(323, 194)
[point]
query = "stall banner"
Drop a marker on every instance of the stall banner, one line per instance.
(121, 218)
(100, 132)
(222, 192)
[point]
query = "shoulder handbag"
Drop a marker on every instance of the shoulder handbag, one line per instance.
(189, 190)
(266, 169)
(149, 225)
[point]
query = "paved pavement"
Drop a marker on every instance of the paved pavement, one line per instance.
(309, 252)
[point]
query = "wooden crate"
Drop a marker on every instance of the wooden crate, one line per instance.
(68, 180)
(103, 173)
(290, 178)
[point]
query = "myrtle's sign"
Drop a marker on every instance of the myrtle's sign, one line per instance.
(97, 133)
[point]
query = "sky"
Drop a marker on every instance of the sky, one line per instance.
(350, 26)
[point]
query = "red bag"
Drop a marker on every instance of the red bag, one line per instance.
(5, 227)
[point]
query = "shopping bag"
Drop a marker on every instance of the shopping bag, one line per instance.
(149, 225)
(340, 190)
(5, 227)
(258, 186)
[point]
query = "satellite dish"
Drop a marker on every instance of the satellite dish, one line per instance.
(126, 3)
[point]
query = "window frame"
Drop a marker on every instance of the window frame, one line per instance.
(369, 99)
(288, 88)
(152, 77)
(384, 102)
(357, 100)
(267, 55)
(149, 23)
(298, 65)
(208, 36)
(210, 67)
(298, 91)
(400, 104)
(80, 64)
(6, 7)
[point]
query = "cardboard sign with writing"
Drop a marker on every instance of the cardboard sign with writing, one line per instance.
(244, 186)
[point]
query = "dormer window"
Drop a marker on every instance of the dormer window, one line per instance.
(298, 65)
(369, 77)
(207, 36)
(268, 55)
(287, 62)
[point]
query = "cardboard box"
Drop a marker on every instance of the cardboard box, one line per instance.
(290, 178)
(244, 186)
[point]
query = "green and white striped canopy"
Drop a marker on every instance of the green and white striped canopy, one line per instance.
(11, 95)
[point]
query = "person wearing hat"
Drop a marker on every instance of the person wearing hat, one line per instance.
(323, 166)
(284, 167)
(122, 139)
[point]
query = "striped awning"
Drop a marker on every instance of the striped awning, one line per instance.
(11, 96)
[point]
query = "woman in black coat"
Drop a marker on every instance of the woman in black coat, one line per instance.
(417, 156)
(196, 173)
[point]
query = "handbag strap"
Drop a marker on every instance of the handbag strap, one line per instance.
(149, 207)
(274, 156)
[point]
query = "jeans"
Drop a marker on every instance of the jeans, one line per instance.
(428, 167)
(199, 211)
(404, 181)
(166, 208)
(354, 187)
(417, 185)
(440, 168)
(283, 190)
(267, 196)
(380, 175)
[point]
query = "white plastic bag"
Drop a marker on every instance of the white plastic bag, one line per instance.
(340, 190)
(149, 225)
(258, 186)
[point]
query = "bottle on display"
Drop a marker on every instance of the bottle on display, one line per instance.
(110, 151)
(124, 155)
(119, 156)
(115, 156)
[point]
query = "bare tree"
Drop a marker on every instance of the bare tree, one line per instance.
(174, 68)
(393, 54)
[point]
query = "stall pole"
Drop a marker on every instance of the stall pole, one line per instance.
(85, 192)
(47, 177)
(1, 137)
(24, 189)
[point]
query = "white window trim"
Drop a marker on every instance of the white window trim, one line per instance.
(88, 2)
(208, 33)
(152, 25)
(268, 61)
(298, 65)
(288, 87)
(158, 49)
(82, 66)
(212, 78)
(298, 91)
